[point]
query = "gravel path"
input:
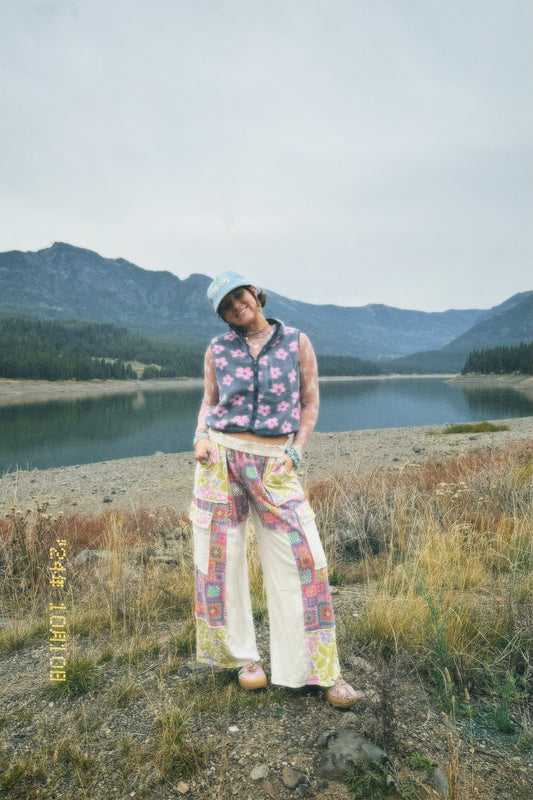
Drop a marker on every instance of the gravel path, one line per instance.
(165, 479)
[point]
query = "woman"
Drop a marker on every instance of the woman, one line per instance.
(259, 408)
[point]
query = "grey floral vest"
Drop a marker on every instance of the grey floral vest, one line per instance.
(263, 394)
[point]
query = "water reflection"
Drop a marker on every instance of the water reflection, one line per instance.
(396, 403)
(120, 426)
(82, 431)
(509, 403)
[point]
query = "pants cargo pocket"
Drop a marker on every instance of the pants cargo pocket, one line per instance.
(282, 487)
(201, 529)
(306, 516)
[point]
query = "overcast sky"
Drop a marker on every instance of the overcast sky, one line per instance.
(343, 151)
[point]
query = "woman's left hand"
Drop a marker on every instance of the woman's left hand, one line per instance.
(287, 464)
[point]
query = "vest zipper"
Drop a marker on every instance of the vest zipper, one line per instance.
(255, 361)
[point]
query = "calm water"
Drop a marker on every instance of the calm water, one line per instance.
(83, 431)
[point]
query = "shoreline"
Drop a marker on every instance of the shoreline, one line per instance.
(21, 391)
(517, 381)
(165, 480)
(18, 391)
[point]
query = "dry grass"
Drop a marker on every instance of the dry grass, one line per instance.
(448, 551)
(445, 552)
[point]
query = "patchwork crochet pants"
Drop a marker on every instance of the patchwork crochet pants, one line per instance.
(242, 479)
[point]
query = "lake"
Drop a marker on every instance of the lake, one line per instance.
(61, 433)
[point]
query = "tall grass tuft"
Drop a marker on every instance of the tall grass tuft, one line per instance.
(447, 552)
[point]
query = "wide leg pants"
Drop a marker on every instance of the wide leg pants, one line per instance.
(238, 481)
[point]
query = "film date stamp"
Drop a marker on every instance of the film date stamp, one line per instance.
(57, 611)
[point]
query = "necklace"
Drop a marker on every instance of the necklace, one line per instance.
(256, 333)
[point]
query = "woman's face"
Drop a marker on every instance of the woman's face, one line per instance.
(240, 307)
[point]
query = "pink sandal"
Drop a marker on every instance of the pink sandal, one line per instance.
(251, 676)
(342, 695)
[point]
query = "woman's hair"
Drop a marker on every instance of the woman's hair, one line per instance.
(262, 298)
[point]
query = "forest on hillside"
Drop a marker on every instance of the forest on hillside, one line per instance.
(501, 360)
(346, 365)
(39, 349)
(54, 350)
(77, 350)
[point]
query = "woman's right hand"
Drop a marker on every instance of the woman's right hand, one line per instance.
(202, 450)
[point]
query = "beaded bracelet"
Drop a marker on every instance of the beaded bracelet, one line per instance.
(200, 435)
(294, 455)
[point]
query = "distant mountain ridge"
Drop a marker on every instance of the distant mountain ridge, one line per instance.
(67, 282)
(510, 323)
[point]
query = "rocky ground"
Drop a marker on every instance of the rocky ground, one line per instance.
(273, 748)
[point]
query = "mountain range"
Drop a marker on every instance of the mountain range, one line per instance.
(68, 282)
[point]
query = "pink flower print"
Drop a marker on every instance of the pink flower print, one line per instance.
(241, 420)
(260, 397)
(295, 395)
(283, 406)
(250, 406)
(220, 411)
(275, 372)
(295, 413)
(264, 411)
(227, 379)
(293, 347)
(238, 400)
(263, 361)
(281, 354)
(278, 388)
(238, 353)
(286, 427)
(218, 348)
(272, 422)
(251, 387)
(221, 362)
(244, 372)
(229, 337)
(221, 424)
(292, 375)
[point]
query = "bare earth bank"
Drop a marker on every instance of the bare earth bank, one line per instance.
(165, 479)
(16, 392)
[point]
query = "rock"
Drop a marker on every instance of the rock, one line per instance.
(324, 738)
(91, 555)
(291, 778)
(269, 788)
(131, 574)
(440, 782)
(259, 773)
(371, 696)
(361, 663)
(348, 718)
(344, 748)
(197, 667)
(182, 787)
